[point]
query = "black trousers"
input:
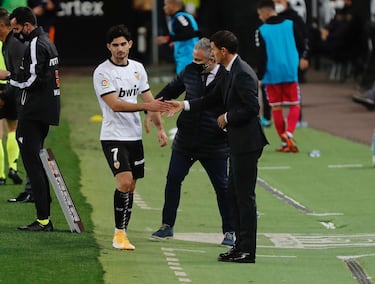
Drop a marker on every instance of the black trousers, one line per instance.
(243, 173)
(179, 167)
(30, 136)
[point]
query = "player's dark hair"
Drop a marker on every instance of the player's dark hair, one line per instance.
(227, 40)
(117, 31)
(266, 4)
(23, 15)
(4, 16)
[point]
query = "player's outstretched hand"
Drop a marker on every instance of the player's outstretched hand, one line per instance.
(174, 107)
(157, 105)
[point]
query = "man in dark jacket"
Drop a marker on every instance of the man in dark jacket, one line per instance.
(39, 107)
(238, 94)
(198, 138)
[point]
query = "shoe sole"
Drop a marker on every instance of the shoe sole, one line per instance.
(130, 249)
(291, 145)
(155, 238)
(227, 244)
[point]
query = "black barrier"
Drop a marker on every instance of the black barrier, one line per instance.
(81, 28)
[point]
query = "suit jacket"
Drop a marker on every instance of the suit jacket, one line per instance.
(198, 133)
(238, 93)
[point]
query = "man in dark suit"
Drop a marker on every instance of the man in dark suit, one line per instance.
(238, 93)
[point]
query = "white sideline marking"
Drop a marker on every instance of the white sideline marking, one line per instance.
(325, 214)
(185, 250)
(174, 265)
(293, 241)
(345, 166)
(276, 256)
(320, 241)
(282, 196)
(328, 225)
(345, 257)
(279, 194)
(141, 203)
(275, 168)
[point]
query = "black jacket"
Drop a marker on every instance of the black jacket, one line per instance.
(39, 81)
(238, 93)
(13, 51)
(198, 134)
(300, 29)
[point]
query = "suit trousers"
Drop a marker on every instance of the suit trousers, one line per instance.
(243, 173)
(179, 167)
(30, 137)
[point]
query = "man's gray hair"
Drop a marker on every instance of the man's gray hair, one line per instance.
(205, 45)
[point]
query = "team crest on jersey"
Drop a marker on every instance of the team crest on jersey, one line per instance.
(137, 75)
(105, 83)
(116, 164)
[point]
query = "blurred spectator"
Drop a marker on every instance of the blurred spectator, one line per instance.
(191, 6)
(46, 13)
(183, 33)
(300, 7)
(344, 39)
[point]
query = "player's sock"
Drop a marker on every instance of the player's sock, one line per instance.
(130, 209)
(121, 207)
(13, 150)
(293, 117)
(278, 119)
(44, 222)
(2, 173)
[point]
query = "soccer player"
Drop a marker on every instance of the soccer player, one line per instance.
(279, 45)
(118, 82)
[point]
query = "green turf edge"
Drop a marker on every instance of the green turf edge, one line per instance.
(61, 256)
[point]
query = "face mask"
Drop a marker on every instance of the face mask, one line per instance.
(200, 67)
(279, 8)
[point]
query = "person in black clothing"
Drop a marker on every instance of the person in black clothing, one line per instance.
(46, 14)
(344, 39)
(39, 107)
(198, 138)
(237, 93)
(12, 51)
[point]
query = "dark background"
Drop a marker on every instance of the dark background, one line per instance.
(80, 39)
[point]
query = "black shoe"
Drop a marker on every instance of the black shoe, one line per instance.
(14, 176)
(23, 197)
(37, 227)
(234, 255)
(369, 103)
(3, 181)
(230, 252)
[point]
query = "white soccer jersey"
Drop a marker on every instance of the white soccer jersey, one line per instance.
(128, 82)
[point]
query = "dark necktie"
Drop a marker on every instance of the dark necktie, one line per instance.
(204, 79)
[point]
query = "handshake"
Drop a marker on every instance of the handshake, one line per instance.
(168, 108)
